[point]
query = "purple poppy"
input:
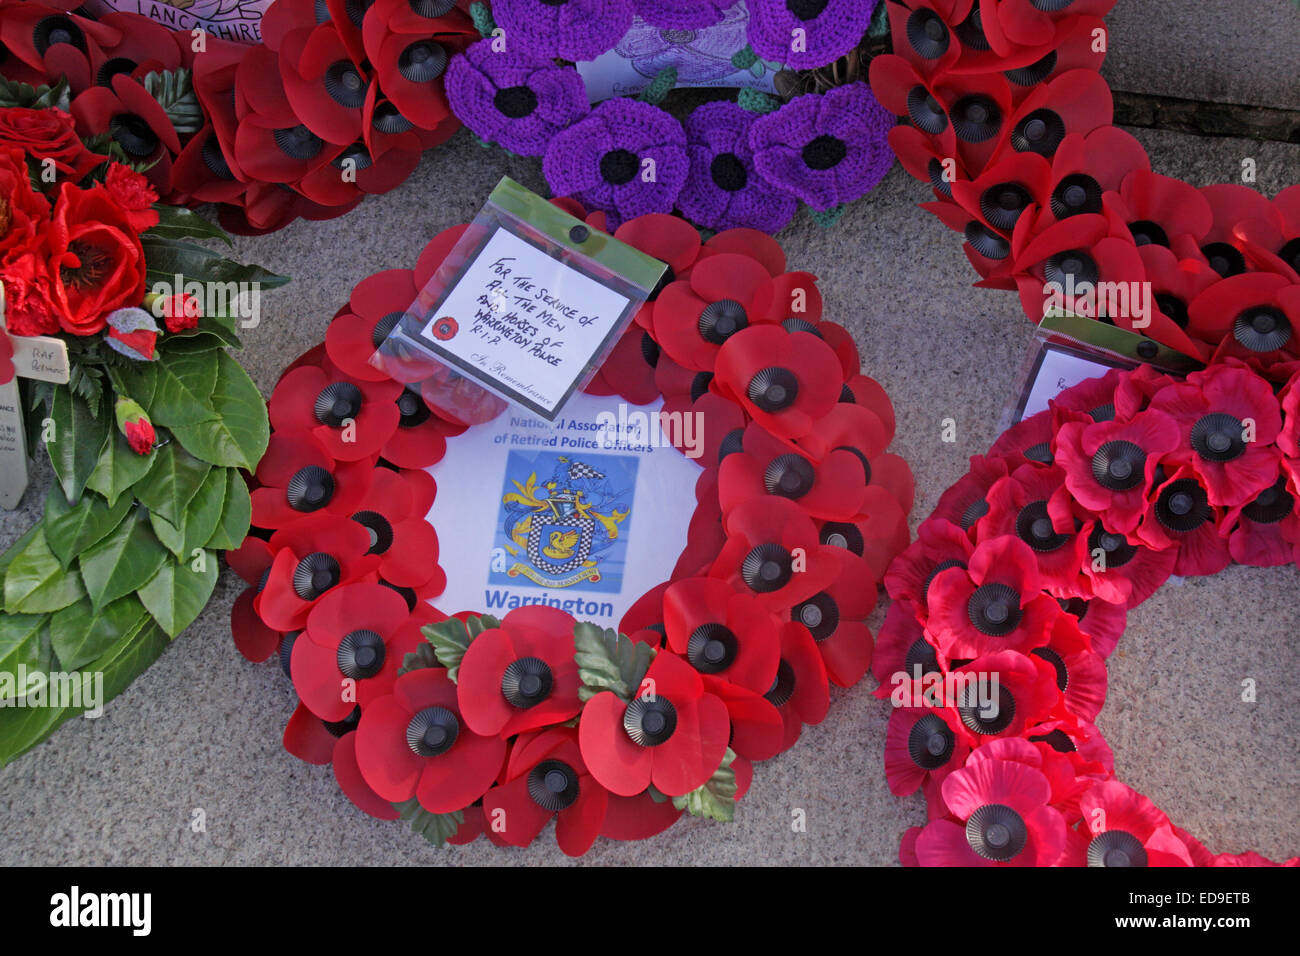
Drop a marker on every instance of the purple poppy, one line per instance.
(724, 190)
(826, 149)
(829, 29)
(682, 14)
(569, 29)
(514, 99)
(626, 157)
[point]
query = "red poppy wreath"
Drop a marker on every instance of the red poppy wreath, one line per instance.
(1027, 569)
(469, 725)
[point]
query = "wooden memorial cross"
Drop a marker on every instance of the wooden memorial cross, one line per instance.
(40, 357)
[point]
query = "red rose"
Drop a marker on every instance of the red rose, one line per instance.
(96, 263)
(49, 133)
(132, 192)
(23, 211)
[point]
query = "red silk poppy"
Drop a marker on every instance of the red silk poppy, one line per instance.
(519, 677)
(297, 477)
(312, 555)
(722, 632)
(350, 419)
(786, 399)
(772, 550)
(414, 743)
(673, 736)
(351, 649)
(1005, 819)
(546, 777)
(995, 604)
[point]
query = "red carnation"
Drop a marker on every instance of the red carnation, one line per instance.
(28, 296)
(180, 312)
(132, 192)
(140, 436)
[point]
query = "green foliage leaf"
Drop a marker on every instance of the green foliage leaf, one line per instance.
(716, 799)
(437, 828)
(422, 657)
(13, 551)
(70, 530)
(212, 332)
(13, 93)
(236, 514)
(452, 637)
(78, 439)
(22, 728)
(177, 593)
(81, 634)
(177, 222)
(174, 91)
(35, 582)
(172, 482)
(166, 258)
(608, 660)
(119, 468)
(24, 640)
(87, 383)
(130, 657)
(175, 392)
(198, 520)
(238, 436)
(122, 562)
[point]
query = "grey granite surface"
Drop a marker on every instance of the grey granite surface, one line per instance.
(201, 729)
(1226, 51)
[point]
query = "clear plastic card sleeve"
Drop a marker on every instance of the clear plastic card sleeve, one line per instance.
(523, 310)
(1067, 349)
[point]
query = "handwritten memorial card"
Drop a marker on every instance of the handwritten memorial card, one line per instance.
(525, 323)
